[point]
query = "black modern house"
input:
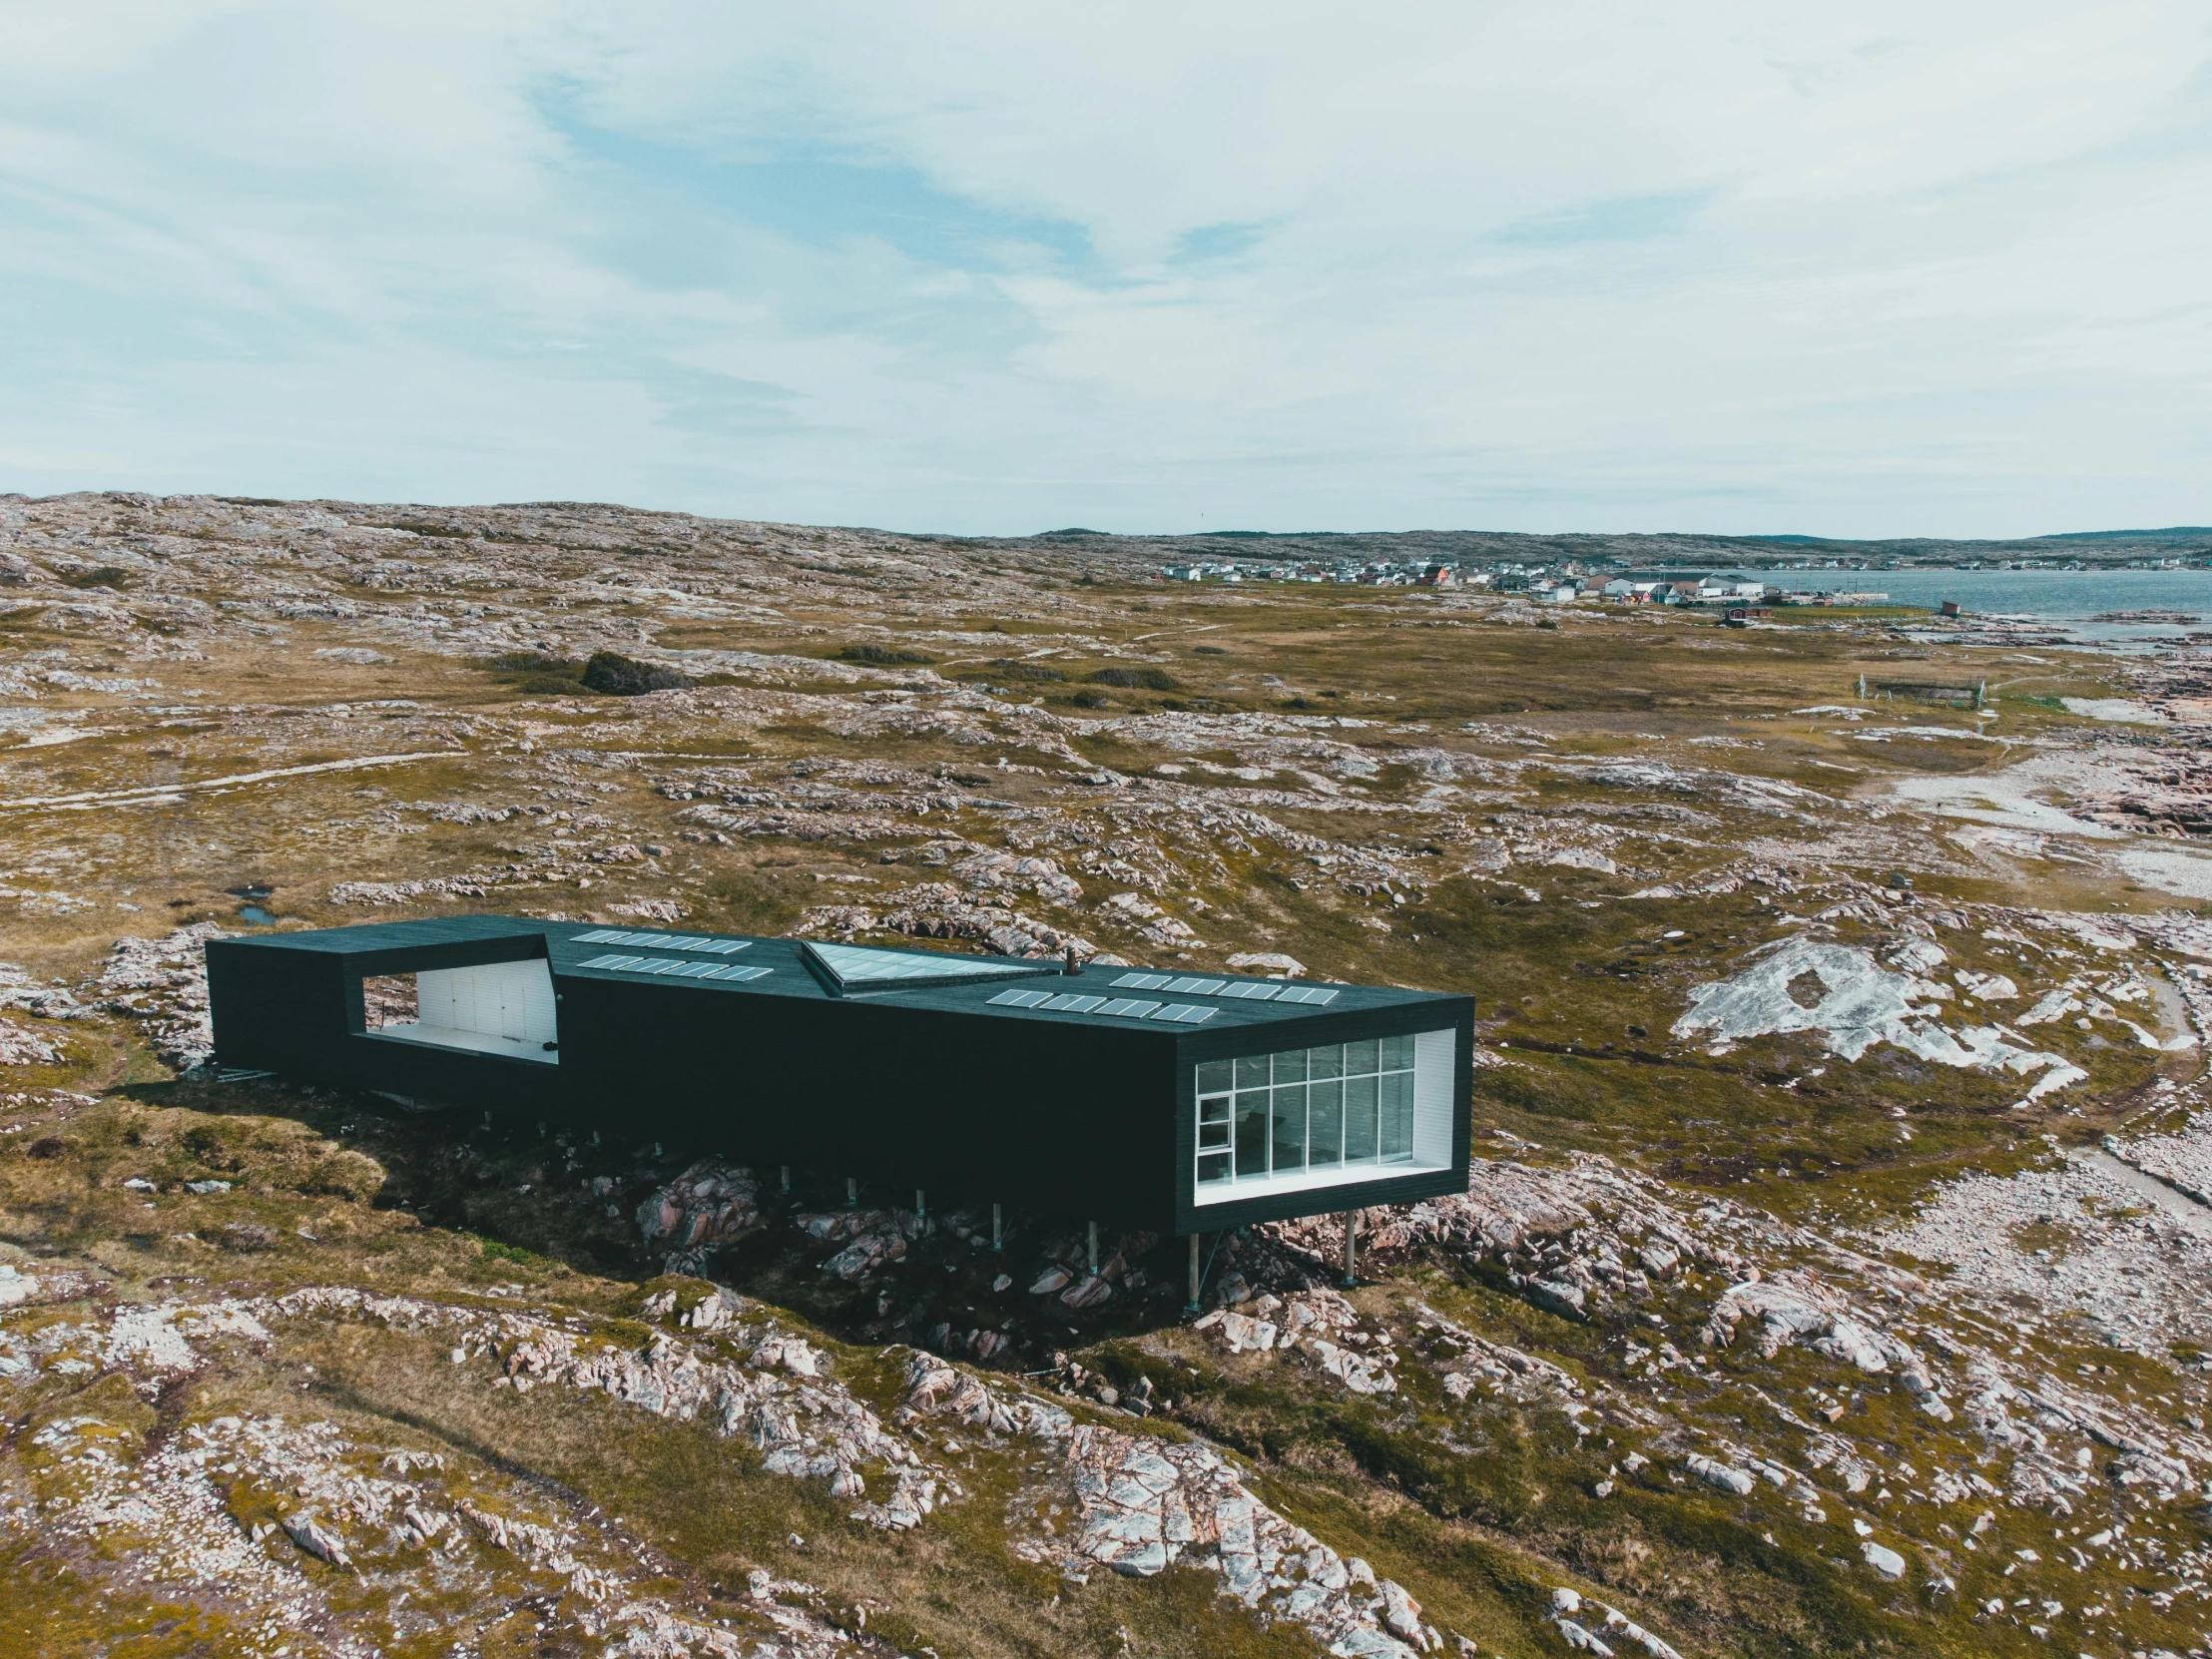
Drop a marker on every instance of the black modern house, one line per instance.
(1176, 1103)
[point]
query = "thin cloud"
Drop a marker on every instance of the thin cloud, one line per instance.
(983, 267)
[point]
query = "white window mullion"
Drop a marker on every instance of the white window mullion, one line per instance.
(1363, 1110)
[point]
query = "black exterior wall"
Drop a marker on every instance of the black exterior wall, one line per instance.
(952, 1102)
(292, 1003)
(929, 1088)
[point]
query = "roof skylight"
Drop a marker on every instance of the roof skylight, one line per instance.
(866, 967)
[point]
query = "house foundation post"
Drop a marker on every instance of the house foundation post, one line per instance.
(1191, 1307)
(1093, 1258)
(994, 1227)
(851, 1193)
(787, 1174)
(1351, 1248)
(921, 1212)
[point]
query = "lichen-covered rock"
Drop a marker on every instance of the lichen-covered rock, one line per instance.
(809, 1426)
(1275, 963)
(1885, 1561)
(1858, 1005)
(709, 1202)
(20, 1046)
(312, 1536)
(1794, 1307)
(163, 985)
(1721, 1476)
(47, 1001)
(872, 1237)
(1320, 1323)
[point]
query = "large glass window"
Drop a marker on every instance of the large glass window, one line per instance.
(1287, 1149)
(1252, 1132)
(1394, 1136)
(1359, 1120)
(1324, 1125)
(1213, 1138)
(1330, 1112)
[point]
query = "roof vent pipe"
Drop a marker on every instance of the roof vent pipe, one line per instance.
(1073, 966)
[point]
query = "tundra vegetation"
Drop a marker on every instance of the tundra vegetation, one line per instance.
(1833, 1278)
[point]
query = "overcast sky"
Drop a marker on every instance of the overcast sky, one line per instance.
(1878, 269)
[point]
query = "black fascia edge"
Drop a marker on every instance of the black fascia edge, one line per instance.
(1412, 1013)
(368, 949)
(456, 941)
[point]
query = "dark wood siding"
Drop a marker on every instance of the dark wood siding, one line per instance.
(1076, 1119)
(930, 1089)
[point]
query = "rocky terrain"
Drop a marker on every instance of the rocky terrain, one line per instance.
(1833, 1278)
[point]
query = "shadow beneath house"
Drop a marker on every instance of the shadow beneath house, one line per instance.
(532, 1196)
(522, 1196)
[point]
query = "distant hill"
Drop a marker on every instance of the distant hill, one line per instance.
(1667, 549)
(2179, 532)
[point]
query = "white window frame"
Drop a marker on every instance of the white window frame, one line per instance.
(1436, 1057)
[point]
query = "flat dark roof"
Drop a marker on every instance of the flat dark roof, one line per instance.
(882, 1063)
(798, 970)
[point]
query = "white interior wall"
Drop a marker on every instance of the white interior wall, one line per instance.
(1435, 1063)
(513, 1000)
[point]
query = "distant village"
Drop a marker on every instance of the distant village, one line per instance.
(1578, 579)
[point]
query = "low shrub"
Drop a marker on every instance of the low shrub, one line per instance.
(880, 654)
(499, 1251)
(1005, 668)
(536, 674)
(105, 576)
(614, 675)
(1135, 679)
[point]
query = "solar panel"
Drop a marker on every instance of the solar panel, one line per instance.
(1021, 999)
(1128, 1008)
(723, 947)
(1074, 1004)
(662, 939)
(1141, 981)
(602, 936)
(1184, 1013)
(1306, 994)
(1253, 991)
(1187, 987)
(674, 967)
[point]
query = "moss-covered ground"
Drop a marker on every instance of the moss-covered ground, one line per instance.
(1426, 758)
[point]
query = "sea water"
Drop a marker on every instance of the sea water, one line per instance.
(2067, 598)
